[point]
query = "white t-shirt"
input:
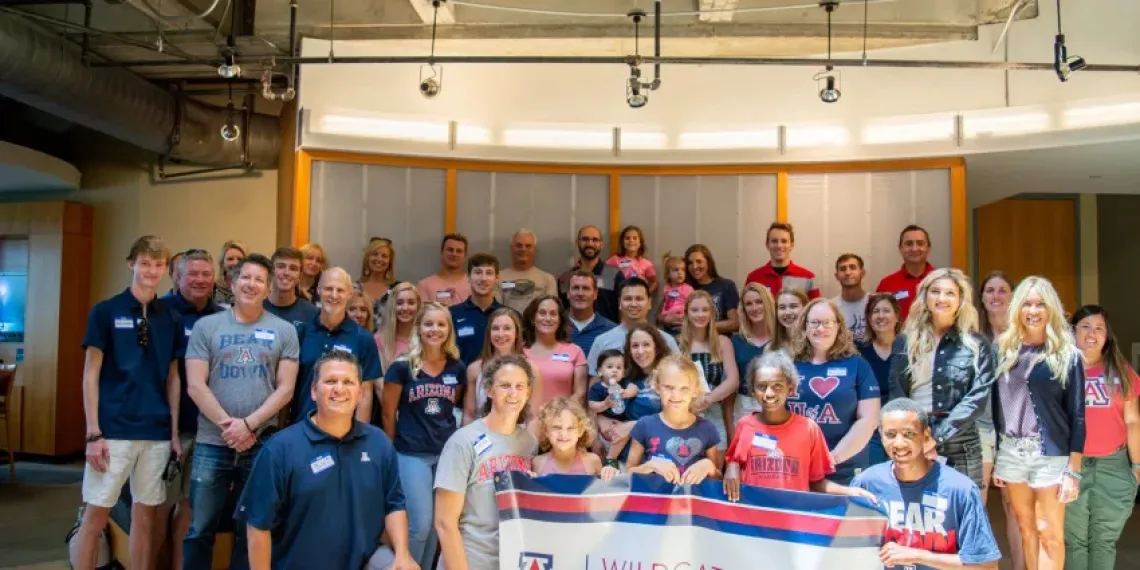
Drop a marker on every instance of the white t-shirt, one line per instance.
(855, 315)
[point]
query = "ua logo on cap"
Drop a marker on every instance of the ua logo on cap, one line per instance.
(536, 561)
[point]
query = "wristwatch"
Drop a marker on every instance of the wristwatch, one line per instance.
(93, 437)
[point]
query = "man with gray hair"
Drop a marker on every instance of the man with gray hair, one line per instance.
(522, 282)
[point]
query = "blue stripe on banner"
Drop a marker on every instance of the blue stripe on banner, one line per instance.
(738, 529)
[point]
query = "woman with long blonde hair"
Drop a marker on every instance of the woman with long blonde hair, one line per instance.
(757, 329)
(1039, 416)
(378, 272)
(715, 358)
(313, 262)
(790, 305)
(943, 363)
(395, 331)
(421, 391)
(837, 388)
(231, 253)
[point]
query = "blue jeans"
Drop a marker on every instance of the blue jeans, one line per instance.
(215, 473)
(417, 477)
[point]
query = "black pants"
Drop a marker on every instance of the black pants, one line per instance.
(964, 454)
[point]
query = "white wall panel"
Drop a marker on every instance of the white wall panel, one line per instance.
(492, 206)
(350, 203)
(863, 213)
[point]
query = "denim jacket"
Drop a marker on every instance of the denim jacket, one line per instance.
(961, 383)
(1060, 409)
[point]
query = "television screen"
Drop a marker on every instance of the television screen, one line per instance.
(13, 297)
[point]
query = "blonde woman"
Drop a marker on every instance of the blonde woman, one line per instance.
(837, 388)
(378, 272)
(421, 390)
(716, 359)
(757, 329)
(1039, 415)
(395, 331)
(943, 363)
(504, 336)
(313, 262)
(790, 305)
(360, 311)
(231, 253)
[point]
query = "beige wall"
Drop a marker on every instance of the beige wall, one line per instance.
(1117, 253)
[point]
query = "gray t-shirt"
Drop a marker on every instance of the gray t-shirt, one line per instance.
(470, 460)
(243, 361)
(855, 314)
(615, 338)
(518, 288)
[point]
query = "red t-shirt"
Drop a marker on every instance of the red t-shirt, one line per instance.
(794, 277)
(786, 456)
(1104, 412)
(903, 286)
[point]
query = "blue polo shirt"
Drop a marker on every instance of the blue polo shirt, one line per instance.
(426, 416)
(585, 336)
(132, 379)
(187, 410)
(471, 327)
(316, 340)
(323, 499)
(299, 313)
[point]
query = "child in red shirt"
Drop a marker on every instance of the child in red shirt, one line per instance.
(775, 448)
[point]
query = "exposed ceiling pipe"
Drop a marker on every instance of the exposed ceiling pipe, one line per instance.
(609, 60)
(44, 71)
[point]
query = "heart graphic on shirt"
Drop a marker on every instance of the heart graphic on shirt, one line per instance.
(683, 450)
(823, 386)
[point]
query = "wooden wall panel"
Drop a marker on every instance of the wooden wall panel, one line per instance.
(1029, 236)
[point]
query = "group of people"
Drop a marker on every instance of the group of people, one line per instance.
(362, 421)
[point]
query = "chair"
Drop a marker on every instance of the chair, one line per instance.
(7, 384)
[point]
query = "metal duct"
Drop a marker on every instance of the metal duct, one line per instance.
(44, 71)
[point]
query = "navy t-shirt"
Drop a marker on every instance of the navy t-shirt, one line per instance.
(315, 341)
(879, 367)
(132, 379)
(942, 512)
(646, 403)
(187, 409)
(425, 417)
(724, 295)
(600, 392)
(745, 352)
(683, 447)
(323, 499)
(829, 393)
(471, 327)
(299, 313)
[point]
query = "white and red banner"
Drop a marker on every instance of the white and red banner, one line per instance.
(571, 522)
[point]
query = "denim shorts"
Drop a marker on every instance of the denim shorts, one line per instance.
(1019, 460)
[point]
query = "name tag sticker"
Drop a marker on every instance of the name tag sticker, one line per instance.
(342, 347)
(507, 285)
(443, 294)
(187, 331)
(837, 372)
(900, 295)
(124, 323)
(560, 357)
(262, 334)
(601, 283)
(932, 500)
(764, 441)
(673, 294)
(450, 380)
(321, 463)
(625, 264)
(482, 445)
(465, 331)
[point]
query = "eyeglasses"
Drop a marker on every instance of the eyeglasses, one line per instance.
(143, 332)
(822, 324)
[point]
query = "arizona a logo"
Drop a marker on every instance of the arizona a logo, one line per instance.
(245, 356)
(536, 561)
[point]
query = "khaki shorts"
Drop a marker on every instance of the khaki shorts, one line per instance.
(140, 461)
(178, 490)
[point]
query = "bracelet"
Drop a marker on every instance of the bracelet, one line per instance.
(246, 422)
(1074, 474)
(1135, 466)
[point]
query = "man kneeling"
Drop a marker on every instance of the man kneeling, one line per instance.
(936, 519)
(325, 489)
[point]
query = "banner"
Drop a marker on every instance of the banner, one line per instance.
(641, 522)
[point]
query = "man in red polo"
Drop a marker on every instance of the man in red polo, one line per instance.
(780, 272)
(914, 245)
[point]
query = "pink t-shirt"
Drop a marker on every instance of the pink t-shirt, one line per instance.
(673, 299)
(401, 347)
(1104, 413)
(448, 293)
(633, 267)
(557, 370)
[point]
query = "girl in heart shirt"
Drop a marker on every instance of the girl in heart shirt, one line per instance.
(837, 388)
(676, 443)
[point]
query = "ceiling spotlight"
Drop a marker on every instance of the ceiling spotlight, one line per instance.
(635, 93)
(1063, 63)
(431, 85)
(829, 85)
(230, 131)
(229, 69)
